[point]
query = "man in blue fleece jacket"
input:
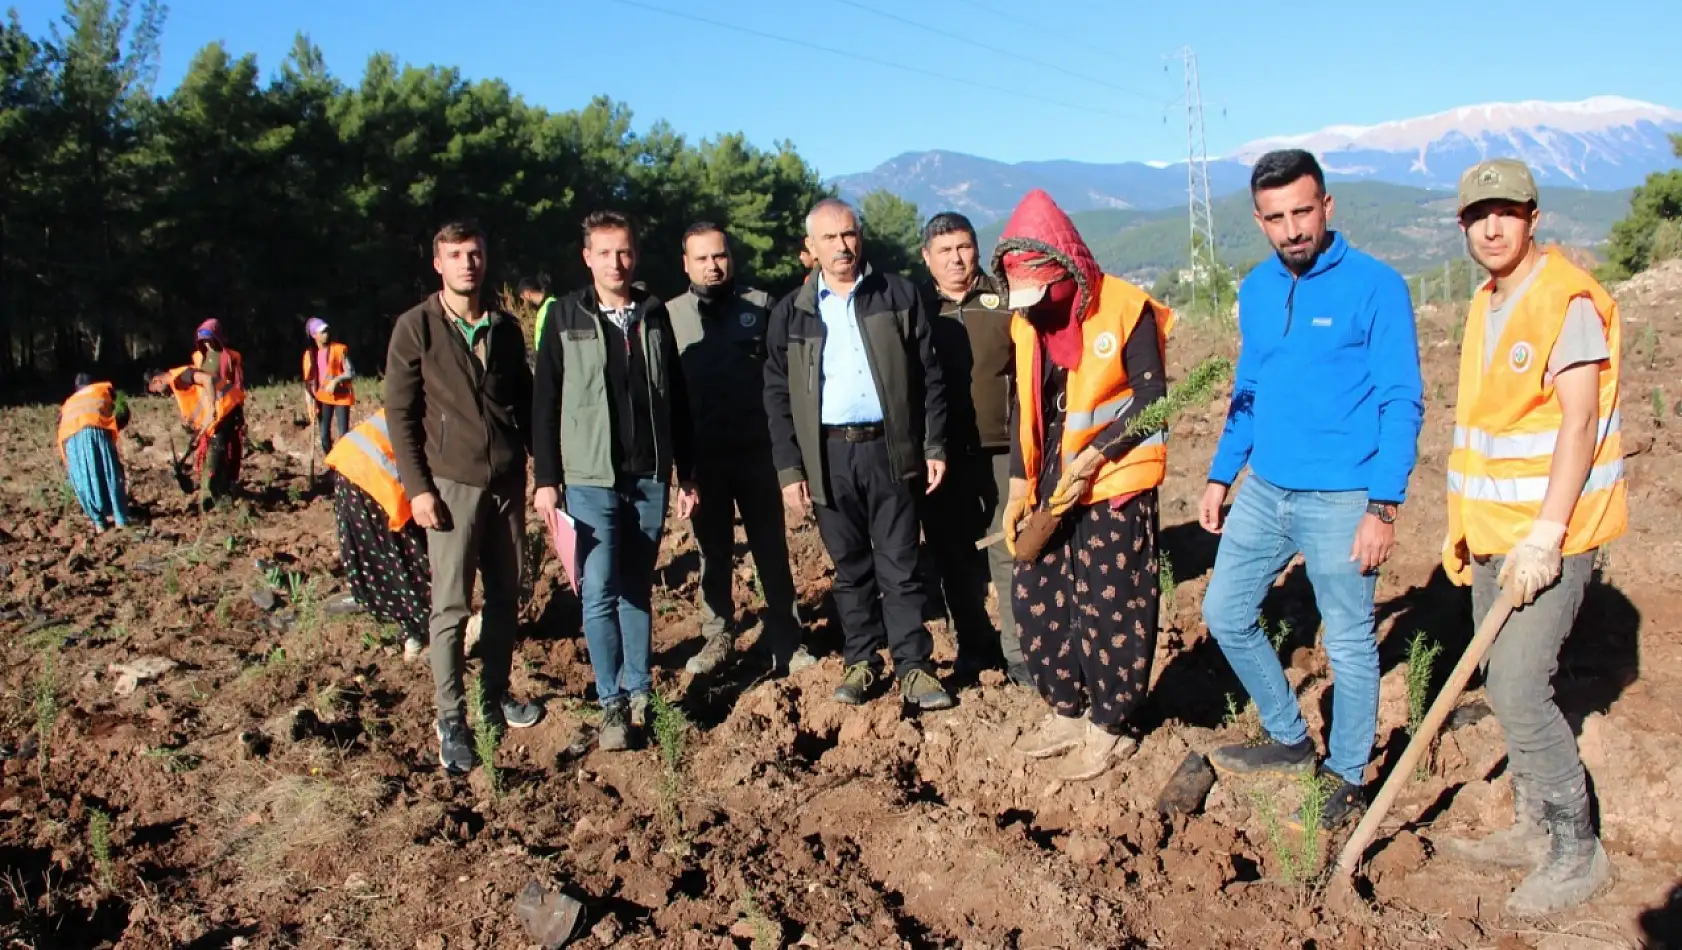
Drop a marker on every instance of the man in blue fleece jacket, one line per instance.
(1326, 409)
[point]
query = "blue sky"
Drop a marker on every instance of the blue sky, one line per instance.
(1104, 84)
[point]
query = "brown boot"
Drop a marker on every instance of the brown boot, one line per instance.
(1522, 844)
(1099, 749)
(1054, 734)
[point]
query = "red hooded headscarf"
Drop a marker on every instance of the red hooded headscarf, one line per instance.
(1039, 246)
(212, 329)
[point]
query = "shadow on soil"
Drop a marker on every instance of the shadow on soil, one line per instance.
(1662, 926)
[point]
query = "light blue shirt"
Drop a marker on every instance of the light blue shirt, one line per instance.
(849, 391)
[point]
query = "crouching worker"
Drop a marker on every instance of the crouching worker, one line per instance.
(1535, 489)
(88, 424)
(1090, 353)
(210, 394)
(382, 549)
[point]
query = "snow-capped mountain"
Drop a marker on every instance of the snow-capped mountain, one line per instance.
(1603, 143)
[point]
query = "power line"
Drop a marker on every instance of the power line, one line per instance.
(1022, 21)
(1013, 54)
(861, 57)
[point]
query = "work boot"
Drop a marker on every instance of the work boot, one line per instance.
(616, 731)
(1270, 756)
(455, 744)
(921, 689)
(855, 684)
(1342, 805)
(715, 651)
(1522, 844)
(1099, 749)
(800, 660)
(1573, 870)
(1054, 734)
(639, 710)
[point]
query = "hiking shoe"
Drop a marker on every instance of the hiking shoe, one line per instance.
(413, 647)
(1019, 674)
(1099, 749)
(715, 651)
(455, 744)
(1343, 805)
(1522, 844)
(922, 690)
(855, 684)
(639, 710)
(616, 731)
(1054, 734)
(1270, 756)
(1574, 869)
(513, 714)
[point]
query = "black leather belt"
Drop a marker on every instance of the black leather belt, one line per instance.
(868, 432)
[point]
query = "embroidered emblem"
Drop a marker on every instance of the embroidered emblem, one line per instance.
(990, 301)
(1104, 346)
(1519, 357)
(747, 318)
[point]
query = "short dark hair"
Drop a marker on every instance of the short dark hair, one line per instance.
(540, 284)
(1283, 166)
(946, 222)
(609, 221)
(458, 232)
(703, 227)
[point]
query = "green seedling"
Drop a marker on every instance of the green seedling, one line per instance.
(99, 845)
(487, 737)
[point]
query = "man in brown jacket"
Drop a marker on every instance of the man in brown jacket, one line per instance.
(458, 403)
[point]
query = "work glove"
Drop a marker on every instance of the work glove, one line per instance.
(1534, 563)
(1016, 509)
(1457, 561)
(1075, 481)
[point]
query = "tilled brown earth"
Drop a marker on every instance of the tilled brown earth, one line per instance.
(276, 785)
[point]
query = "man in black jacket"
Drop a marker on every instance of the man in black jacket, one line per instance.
(971, 331)
(458, 403)
(857, 411)
(610, 420)
(720, 328)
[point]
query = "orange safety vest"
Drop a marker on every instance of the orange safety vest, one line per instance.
(344, 394)
(94, 406)
(1097, 393)
(200, 408)
(1507, 420)
(364, 456)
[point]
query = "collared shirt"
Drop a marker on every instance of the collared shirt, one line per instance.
(849, 389)
(473, 333)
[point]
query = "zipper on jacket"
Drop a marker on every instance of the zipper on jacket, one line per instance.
(1290, 305)
(648, 374)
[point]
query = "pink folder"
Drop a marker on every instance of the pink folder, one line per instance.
(563, 534)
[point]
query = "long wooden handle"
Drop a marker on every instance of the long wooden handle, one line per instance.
(1423, 736)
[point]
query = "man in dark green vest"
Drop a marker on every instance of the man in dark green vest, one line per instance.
(720, 330)
(610, 396)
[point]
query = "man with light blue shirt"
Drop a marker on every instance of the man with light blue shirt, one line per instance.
(857, 413)
(1326, 410)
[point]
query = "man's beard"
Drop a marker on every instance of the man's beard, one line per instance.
(1300, 258)
(715, 292)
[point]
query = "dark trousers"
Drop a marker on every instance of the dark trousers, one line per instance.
(331, 422)
(221, 453)
(1087, 609)
(869, 528)
(964, 509)
(745, 483)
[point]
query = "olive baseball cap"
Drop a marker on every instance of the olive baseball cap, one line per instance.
(1504, 179)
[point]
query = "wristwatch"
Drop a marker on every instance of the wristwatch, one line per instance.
(1382, 510)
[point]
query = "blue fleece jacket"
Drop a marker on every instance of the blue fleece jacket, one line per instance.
(1327, 393)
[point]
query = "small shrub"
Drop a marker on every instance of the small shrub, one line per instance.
(671, 732)
(1299, 862)
(487, 736)
(1165, 578)
(99, 845)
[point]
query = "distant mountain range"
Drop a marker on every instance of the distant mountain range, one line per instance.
(1605, 143)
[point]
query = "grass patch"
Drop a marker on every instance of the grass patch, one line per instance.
(1165, 578)
(766, 934)
(176, 761)
(1247, 720)
(283, 830)
(1279, 635)
(1658, 405)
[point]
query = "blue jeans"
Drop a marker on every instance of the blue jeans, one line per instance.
(618, 541)
(1267, 526)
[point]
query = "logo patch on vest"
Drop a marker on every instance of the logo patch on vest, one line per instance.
(747, 318)
(990, 301)
(1519, 356)
(1104, 346)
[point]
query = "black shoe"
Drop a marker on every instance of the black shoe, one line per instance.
(855, 684)
(616, 727)
(455, 744)
(1019, 675)
(1344, 804)
(1270, 756)
(514, 714)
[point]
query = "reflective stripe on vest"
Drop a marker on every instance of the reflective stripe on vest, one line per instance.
(368, 448)
(92, 407)
(363, 461)
(1525, 446)
(1513, 491)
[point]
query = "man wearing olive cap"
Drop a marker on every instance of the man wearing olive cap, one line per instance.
(1535, 489)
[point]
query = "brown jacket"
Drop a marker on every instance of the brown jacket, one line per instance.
(972, 338)
(450, 415)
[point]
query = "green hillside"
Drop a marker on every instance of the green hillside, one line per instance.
(1413, 229)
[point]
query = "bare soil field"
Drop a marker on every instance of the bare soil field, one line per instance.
(187, 765)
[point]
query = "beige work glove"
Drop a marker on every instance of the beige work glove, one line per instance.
(1076, 479)
(1017, 507)
(1534, 563)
